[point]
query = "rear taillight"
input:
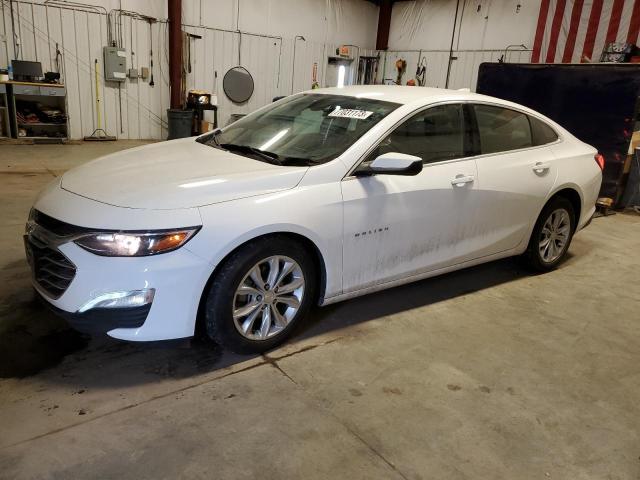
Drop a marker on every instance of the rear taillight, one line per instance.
(599, 160)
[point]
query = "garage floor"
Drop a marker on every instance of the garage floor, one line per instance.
(486, 373)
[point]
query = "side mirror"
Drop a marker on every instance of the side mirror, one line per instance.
(391, 163)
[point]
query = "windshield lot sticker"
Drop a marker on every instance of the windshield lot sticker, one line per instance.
(350, 113)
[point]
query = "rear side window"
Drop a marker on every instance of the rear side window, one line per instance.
(435, 134)
(541, 132)
(502, 129)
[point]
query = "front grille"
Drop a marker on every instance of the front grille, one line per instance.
(52, 271)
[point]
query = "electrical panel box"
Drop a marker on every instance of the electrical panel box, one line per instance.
(144, 72)
(115, 64)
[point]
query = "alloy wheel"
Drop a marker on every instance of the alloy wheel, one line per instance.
(268, 297)
(554, 235)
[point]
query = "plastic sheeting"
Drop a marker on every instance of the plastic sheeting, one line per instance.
(485, 30)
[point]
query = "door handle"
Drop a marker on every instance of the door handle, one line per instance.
(541, 167)
(461, 180)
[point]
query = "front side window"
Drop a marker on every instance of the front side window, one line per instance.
(502, 129)
(435, 134)
(306, 129)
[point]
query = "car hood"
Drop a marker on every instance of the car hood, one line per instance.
(177, 174)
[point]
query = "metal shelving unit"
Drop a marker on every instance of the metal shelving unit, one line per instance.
(48, 94)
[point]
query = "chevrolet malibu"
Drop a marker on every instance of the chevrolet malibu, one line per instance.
(319, 197)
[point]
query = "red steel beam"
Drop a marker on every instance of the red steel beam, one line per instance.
(384, 25)
(174, 8)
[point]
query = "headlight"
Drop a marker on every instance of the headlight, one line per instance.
(135, 244)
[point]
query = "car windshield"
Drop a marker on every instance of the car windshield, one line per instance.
(303, 130)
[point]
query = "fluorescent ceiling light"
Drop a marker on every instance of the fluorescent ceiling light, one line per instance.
(341, 72)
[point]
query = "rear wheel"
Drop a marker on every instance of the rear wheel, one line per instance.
(551, 235)
(261, 292)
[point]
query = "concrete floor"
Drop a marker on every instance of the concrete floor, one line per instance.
(486, 373)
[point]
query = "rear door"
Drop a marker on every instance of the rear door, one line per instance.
(516, 171)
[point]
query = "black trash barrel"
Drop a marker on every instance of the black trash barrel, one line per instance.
(180, 122)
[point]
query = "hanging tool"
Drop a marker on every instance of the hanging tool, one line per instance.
(98, 135)
(191, 36)
(401, 67)
(58, 57)
(133, 54)
(151, 53)
(421, 71)
(188, 53)
(120, 107)
(314, 77)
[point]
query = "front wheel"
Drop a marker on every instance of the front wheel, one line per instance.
(261, 292)
(551, 235)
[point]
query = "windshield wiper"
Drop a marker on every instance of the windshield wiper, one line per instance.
(270, 157)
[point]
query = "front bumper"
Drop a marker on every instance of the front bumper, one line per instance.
(178, 277)
(101, 320)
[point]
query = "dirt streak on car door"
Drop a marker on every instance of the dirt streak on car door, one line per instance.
(397, 226)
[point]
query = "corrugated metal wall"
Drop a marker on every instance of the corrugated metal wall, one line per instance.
(80, 36)
(477, 31)
(217, 51)
(464, 70)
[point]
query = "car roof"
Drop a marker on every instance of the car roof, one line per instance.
(418, 96)
(401, 94)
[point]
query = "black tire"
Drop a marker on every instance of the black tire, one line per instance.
(532, 257)
(219, 304)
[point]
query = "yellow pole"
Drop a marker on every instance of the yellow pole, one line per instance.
(97, 95)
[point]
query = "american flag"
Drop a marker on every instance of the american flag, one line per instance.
(573, 31)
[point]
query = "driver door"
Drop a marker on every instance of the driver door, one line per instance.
(399, 226)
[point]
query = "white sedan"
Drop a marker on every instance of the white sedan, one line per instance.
(317, 198)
